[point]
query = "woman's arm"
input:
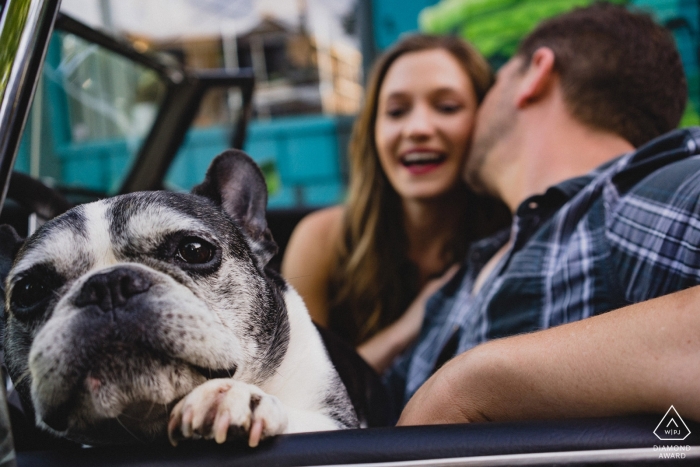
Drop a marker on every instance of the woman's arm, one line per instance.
(309, 257)
(381, 349)
(639, 359)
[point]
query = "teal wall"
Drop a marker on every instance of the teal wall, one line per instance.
(303, 159)
(391, 18)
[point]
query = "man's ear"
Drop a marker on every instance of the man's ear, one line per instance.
(235, 182)
(539, 77)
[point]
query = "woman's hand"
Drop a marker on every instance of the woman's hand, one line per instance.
(381, 350)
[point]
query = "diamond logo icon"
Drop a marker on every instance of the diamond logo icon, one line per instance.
(672, 427)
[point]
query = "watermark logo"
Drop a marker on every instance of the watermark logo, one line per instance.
(672, 427)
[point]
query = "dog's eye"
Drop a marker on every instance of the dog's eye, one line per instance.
(29, 292)
(194, 250)
(33, 289)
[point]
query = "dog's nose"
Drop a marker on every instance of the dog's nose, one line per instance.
(112, 289)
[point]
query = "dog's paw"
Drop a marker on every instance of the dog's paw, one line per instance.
(221, 407)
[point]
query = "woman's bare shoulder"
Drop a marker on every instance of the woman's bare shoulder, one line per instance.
(309, 258)
(321, 223)
(313, 241)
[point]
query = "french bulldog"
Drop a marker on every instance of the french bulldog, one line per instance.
(153, 313)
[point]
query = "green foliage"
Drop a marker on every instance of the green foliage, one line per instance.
(495, 27)
(10, 37)
(272, 176)
(690, 116)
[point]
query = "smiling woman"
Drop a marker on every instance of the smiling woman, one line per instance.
(365, 269)
(423, 125)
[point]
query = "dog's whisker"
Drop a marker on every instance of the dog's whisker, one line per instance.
(130, 417)
(22, 377)
(133, 435)
(150, 409)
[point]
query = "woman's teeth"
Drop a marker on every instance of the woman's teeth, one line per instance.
(416, 158)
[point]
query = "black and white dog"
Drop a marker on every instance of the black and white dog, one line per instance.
(153, 312)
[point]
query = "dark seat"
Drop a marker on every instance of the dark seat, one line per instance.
(281, 223)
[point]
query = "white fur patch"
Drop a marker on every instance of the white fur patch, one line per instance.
(156, 220)
(304, 375)
(182, 324)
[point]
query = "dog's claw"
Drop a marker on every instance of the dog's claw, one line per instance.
(174, 425)
(216, 407)
(223, 421)
(256, 432)
(187, 422)
(173, 441)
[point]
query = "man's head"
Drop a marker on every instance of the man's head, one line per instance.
(618, 72)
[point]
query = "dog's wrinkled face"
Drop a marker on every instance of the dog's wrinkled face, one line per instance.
(119, 308)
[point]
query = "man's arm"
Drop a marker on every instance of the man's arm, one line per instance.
(638, 359)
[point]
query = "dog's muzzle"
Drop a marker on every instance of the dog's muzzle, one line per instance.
(113, 289)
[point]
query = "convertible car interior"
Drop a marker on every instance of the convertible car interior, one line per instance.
(27, 27)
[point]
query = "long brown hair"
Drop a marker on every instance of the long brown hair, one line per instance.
(373, 281)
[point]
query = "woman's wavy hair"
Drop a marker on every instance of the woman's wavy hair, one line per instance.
(373, 281)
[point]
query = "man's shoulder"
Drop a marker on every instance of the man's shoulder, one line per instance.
(674, 143)
(672, 177)
(663, 168)
(674, 182)
(656, 206)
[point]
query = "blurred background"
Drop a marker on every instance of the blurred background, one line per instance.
(93, 107)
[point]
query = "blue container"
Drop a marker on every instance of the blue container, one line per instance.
(305, 158)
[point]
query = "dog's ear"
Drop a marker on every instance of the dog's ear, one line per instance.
(235, 182)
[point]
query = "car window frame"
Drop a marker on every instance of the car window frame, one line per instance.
(32, 23)
(184, 92)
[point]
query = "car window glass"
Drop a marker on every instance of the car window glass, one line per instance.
(209, 134)
(90, 114)
(307, 63)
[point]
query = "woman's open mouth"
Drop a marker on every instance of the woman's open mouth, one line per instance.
(418, 163)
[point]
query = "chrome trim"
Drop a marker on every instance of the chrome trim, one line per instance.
(569, 458)
(23, 77)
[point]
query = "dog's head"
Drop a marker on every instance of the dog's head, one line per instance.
(117, 309)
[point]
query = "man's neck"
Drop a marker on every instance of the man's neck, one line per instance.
(552, 148)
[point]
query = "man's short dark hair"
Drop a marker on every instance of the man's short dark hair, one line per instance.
(620, 71)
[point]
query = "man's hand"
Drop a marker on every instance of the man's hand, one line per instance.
(638, 359)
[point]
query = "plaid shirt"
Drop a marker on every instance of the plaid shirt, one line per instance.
(627, 232)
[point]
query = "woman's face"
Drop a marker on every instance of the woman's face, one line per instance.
(425, 114)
